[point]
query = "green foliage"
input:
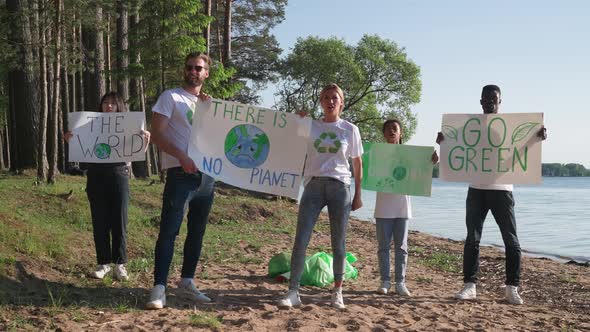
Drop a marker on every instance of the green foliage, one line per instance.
(167, 32)
(255, 50)
(571, 169)
(205, 320)
(378, 79)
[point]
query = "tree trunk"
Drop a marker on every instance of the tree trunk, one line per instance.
(65, 101)
(99, 57)
(55, 112)
(42, 163)
(218, 30)
(23, 116)
(227, 34)
(122, 50)
(207, 30)
(109, 69)
(81, 69)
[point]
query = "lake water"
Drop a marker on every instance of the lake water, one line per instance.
(553, 219)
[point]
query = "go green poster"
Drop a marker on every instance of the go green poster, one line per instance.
(397, 168)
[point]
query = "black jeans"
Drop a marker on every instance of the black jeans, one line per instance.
(108, 193)
(501, 203)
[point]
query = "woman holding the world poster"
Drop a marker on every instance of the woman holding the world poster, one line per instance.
(327, 183)
(107, 188)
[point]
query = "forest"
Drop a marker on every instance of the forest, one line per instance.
(61, 56)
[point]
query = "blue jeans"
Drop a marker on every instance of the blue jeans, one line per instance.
(501, 204)
(181, 188)
(396, 228)
(319, 192)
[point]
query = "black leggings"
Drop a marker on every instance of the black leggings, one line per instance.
(108, 193)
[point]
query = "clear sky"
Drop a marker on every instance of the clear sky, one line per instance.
(537, 51)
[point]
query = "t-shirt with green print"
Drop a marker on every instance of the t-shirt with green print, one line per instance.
(179, 106)
(330, 146)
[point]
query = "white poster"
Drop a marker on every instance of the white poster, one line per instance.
(250, 147)
(106, 137)
(491, 148)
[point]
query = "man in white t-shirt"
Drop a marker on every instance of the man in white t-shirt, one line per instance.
(171, 128)
(498, 199)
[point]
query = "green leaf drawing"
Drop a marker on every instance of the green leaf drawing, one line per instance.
(522, 131)
(450, 132)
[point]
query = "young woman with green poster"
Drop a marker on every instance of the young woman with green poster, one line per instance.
(107, 187)
(392, 212)
(327, 183)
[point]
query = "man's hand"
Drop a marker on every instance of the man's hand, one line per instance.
(357, 202)
(188, 165)
(204, 97)
(302, 113)
(542, 133)
(440, 137)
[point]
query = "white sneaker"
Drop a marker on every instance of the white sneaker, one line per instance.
(101, 271)
(401, 290)
(337, 301)
(467, 293)
(512, 295)
(121, 272)
(188, 285)
(157, 298)
(384, 288)
(290, 300)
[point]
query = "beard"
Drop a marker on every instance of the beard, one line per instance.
(193, 81)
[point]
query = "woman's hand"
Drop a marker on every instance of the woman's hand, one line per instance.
(146, 135)
(68, 136)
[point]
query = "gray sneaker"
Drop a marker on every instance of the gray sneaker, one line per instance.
(337, 300)
(157, 298)
(467, 293)
(401, 290)
(384, 288)
(512, 295)
(101, 271)
(188, 285)
(120, 272)
(290, 300)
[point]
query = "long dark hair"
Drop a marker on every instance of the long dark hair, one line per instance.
(401, 129)
(118, 100)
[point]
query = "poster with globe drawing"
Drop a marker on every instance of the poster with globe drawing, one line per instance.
(397, 168)
(250, 147)
(106, 137)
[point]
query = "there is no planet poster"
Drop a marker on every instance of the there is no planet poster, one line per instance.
(397, 168)
(106, 137)
(491, 148)
(250, 147)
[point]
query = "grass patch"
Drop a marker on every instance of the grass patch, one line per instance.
(443, 261)
(205, 320)
(424, 280)
(568, 279)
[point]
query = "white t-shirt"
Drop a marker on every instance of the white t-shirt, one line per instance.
(506, 187)
(392, 206)
(330, 145)
(179, 106)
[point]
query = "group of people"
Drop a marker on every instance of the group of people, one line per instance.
(327, 183)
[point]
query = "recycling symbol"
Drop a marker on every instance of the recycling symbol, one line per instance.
(327, 142)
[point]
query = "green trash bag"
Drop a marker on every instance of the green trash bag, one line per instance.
(279, 264)
(318, 271)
